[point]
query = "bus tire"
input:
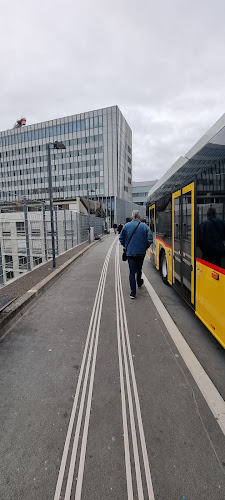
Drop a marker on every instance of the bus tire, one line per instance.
(164, 267)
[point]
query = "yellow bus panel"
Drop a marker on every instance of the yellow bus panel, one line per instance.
(210, 286)
(168, 251)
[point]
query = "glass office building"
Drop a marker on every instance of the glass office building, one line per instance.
(98, 158)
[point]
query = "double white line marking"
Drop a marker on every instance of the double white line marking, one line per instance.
(86, 375)
(127, 377)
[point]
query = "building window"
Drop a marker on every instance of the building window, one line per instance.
(20, 229)
(21, 245)
(6, 229)
(37, 261)
(35, 229)
(48, 227)
(9, 275)
(22, 262)
(8, 261)
(7, 246)
(36, 246)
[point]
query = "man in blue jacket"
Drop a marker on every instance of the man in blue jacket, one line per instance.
(136, 249)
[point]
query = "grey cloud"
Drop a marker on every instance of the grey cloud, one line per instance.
(161, 62)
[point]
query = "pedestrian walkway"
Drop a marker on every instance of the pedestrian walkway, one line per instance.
(97, 401)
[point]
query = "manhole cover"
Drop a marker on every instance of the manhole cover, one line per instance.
(5, 301)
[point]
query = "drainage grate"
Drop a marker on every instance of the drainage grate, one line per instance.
(5, 301)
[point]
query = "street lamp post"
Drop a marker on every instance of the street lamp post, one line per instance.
(56, 145)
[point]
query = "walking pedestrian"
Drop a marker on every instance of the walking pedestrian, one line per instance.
(136, 237)
(120, 227)
(115, 227)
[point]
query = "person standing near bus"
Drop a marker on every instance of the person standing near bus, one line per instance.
(136, 247)
(211, 238)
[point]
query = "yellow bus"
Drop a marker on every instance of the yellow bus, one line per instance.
(187, 217)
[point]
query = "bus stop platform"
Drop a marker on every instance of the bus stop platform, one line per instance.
(104, 397)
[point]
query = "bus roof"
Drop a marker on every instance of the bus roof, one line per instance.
(209, 149)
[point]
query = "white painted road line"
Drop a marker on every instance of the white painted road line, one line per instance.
(128, 385)
(207, 388)
(91, 334)
(127, 351)
(123, 399)
(84, 389)
(88, 408)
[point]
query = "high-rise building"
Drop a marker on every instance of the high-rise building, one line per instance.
(97, 158)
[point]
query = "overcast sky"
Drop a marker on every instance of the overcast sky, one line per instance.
(162, 62)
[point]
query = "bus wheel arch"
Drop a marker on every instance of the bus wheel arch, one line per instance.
(163, 266)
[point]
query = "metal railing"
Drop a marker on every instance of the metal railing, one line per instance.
(25, 237)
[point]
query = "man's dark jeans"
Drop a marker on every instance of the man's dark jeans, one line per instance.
(135, 265)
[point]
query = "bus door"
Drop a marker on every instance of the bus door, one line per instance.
(183, 242)
(152, 250)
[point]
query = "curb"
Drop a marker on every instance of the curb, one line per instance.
(20, 305)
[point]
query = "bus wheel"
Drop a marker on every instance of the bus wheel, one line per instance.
(163, 268)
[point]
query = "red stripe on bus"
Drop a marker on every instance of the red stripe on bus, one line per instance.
(168, 246)
(212, 266)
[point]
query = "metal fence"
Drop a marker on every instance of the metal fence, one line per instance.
(25, 237)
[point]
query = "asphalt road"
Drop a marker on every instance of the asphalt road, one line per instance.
(96, 400)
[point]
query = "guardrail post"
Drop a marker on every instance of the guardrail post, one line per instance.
(56, 230)
(25, 211)
(77, 222)
(45, 234)
(65, 237)
(71, 215)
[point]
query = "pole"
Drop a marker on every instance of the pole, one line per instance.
(44, 229)
(51, 205)
(88, 216)
(56, 230)
(25, 211)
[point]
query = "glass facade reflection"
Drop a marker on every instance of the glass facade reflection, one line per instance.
(211, 214)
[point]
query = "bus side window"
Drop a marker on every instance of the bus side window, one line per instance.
(152, 225)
